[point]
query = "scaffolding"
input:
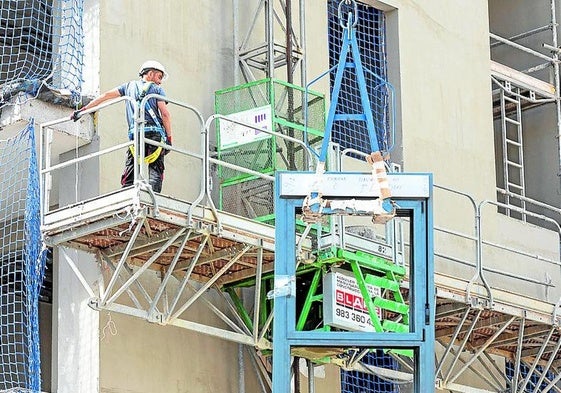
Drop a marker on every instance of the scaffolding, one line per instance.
(279, 45)
(525, 75)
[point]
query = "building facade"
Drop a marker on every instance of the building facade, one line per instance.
(476, 104)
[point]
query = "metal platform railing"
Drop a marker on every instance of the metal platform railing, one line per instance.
(477, 242)
(204, 154)
(471, 296)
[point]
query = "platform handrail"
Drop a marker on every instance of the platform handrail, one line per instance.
(139, 143)
(204, 190)
(209, 122)
(45, 152)
(499, 246)
(479, 272)
(531, 201)
(526, 212)
(480, 241)
(46, 132)
(205, 157)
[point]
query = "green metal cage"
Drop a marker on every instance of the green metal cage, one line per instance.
(288, 110)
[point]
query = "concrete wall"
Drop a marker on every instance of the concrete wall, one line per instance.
(439, 60)
(445, 93)
(196, 46)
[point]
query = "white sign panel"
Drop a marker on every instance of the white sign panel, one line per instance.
(343, 305)
(233, 134)
(343, 184)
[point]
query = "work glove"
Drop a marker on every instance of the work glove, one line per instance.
(168, 142)
(76, 115)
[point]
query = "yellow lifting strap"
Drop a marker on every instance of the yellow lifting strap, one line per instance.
(151, 157)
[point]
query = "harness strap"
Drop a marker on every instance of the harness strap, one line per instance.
(148, 129)
(140, 94)
(151, 157)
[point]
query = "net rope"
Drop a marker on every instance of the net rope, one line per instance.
(358, 382)
(41, 45)
(22, 265)
(531, 386)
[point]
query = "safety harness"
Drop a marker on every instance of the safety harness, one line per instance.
(140, 94)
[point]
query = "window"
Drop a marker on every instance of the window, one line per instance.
(370, 36)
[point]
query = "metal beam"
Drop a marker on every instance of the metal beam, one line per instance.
(482, 349)
(449, 310)
(481, 324)
(209, 283)
(225, 253)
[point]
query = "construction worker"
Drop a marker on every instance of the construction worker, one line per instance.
(157, 120)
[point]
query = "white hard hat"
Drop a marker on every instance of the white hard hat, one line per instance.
(152, 65)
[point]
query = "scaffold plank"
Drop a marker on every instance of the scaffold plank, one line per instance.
(520, 79)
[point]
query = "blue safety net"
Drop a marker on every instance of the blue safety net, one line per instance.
(359, 382)
(351, 131)
(530, 382)
(370, 36)
(22, 263)
(41, 44)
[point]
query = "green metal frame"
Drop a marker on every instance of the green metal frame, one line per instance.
(366, 269)
(255, 94)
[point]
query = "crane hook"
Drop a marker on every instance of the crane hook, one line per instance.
(353, 16)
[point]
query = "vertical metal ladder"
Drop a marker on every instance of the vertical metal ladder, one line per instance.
(512, 148)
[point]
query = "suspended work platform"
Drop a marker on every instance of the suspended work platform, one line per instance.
(159, 255)
(107, 225)
(195, 248)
